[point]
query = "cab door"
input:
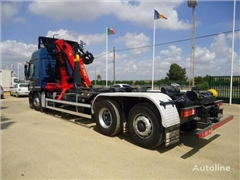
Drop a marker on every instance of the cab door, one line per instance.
(34, 75)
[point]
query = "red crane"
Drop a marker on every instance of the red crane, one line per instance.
(65, 54)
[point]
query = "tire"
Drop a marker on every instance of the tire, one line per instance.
(30, 100)
(107, 115)
(36, 102)
(145, 126)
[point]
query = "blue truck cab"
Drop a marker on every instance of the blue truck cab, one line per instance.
(42, 69)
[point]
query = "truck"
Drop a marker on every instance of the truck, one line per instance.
(7, 79)
(58, 82)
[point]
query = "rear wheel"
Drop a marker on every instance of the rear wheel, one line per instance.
(107, 115)
(145, 126)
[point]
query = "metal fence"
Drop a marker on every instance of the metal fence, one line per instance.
(222, 85)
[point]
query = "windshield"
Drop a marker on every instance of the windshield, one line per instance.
(23, 85)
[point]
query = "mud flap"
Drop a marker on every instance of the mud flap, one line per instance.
(172, 135)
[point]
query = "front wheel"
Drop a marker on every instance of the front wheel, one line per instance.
(107, 116)
(145, 126)
(36, 102)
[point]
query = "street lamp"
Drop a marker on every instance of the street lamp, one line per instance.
(192, 4)
(19, 64)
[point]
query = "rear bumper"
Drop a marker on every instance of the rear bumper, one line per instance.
(208, 130)
(172, 133)
(21, 93)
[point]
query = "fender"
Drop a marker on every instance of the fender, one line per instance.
(168, 112)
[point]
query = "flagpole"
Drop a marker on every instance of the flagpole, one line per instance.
(153, 53)
(106, 56)
(18, 71)
(233, 34)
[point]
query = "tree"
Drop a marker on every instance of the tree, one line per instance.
(176, 74)
(203, 86)
(198, 80)
(206, 78)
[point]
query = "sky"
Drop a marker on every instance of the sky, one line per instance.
(133, 22)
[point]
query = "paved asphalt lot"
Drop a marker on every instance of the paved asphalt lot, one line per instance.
(40, 146)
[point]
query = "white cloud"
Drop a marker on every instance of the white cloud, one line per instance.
(173, 54)
(89, 39)
(220, 45)
(140, 13)
(236, 35)
(215, 60)
(74, 10)
(14, 52)
(10, 11)
(203, 55)
(134, 67)
(134, 40)
(17, 50)
(223, 51)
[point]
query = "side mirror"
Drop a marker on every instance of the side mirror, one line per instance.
(16, 80)
(26, 71)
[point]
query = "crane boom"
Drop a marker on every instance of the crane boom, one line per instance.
(68, 54)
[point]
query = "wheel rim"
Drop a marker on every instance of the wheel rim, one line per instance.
(142, 126)
(105, 118)
(36, 102)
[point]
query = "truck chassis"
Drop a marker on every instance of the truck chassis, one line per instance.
(149, 118)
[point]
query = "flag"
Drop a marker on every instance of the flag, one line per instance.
(157, 15)
(110, 31)
(82, 43)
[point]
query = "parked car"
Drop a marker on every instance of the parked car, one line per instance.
(1, 92)
(175, 85)
(123, 87)
(20, 89)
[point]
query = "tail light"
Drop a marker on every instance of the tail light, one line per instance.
(220, 104)
(188, 112)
